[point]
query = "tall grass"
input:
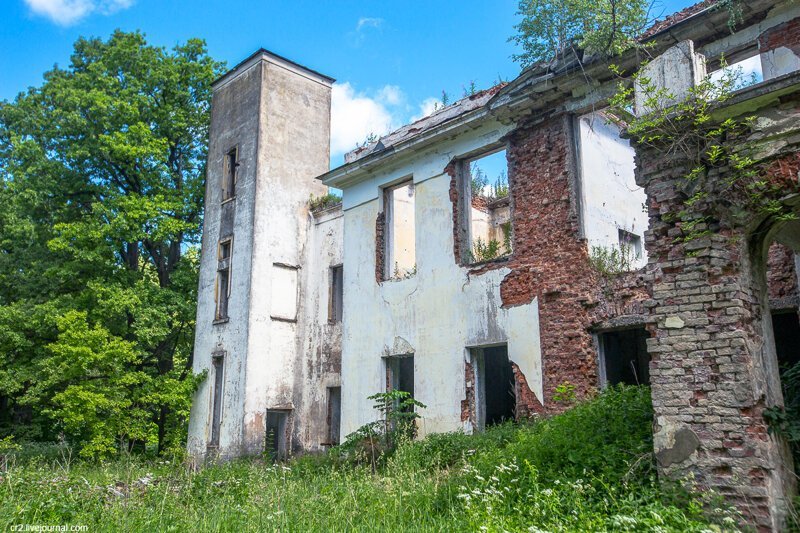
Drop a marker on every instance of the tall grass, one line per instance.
(588, 469)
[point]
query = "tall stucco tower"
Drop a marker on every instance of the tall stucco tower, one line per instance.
(269, 138)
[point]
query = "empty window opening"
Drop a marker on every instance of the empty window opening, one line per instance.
(231, 166)
(487, 209)
(624, 357)
(400, 251)
(335, 300)
(738, 75)
(496, 399)
(223, 285)
(400, 373)
(216, 405)
(630, 245)
(334, 414)
(786, 328)
(276, 440)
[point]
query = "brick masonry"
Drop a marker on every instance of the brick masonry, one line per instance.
(572, 300)
(712, 375)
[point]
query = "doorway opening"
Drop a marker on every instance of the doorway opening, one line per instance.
(277, 439)
(496, 398)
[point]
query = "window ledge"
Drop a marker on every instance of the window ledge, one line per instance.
(496, 260)
(220, 320)
(283, 319)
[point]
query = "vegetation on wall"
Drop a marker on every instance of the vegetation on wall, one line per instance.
(102, 180)
(721, 164)
(320, 203)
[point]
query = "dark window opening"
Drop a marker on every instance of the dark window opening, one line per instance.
(336, 294)
(786, 328)
(401, 373)
(276, 444)
(334, 414)
(216, 406)
(223, 288)
(624, 357)
(223, 282)
(229, 178)
(499, 397)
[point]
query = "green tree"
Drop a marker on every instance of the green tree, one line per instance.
(550, 27)
(101, 178)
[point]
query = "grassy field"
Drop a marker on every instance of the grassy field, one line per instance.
(590, 469)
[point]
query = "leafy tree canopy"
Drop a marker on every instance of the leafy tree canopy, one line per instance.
(101, 179)
(550, 27)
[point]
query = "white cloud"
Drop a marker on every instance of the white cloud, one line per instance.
(67, 12)
(354, 116)
(391, 95)
(368, 22)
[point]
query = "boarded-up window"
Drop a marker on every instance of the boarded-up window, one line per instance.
(217, 360)
(223, 286)
(284, 292)
(335, 301)
(229, 174)
(400, 231)
(276, 444)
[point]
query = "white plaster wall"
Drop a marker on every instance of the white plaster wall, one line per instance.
(294, 145)
(436, 314)
(320, 366)
(610, 198)
(280, 118)
(231, 125)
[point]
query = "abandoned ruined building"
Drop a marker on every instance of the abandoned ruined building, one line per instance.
(481, 299)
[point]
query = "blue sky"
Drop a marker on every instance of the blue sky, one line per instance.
(391, 59)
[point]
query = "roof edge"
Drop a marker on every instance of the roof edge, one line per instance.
(271, 57)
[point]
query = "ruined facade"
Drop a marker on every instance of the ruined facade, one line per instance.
(487, 302)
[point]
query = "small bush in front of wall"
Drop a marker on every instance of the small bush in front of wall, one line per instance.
(610, 261)
(373, 442)
(485, 250)
(319, 203)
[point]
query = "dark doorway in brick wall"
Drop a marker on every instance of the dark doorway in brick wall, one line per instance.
(786, 327)
(496, 397)
(623, 357)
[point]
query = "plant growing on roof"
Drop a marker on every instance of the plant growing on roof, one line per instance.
(550, 27)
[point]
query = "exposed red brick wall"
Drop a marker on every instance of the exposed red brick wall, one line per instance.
(550, 260)
(527, 402)
(481, 203)
(786, 34)
(468, 403)
(380, 247)
(781, 276)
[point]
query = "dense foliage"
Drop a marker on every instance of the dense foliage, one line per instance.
(551, 27)
(101, 181)
(590, 469)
